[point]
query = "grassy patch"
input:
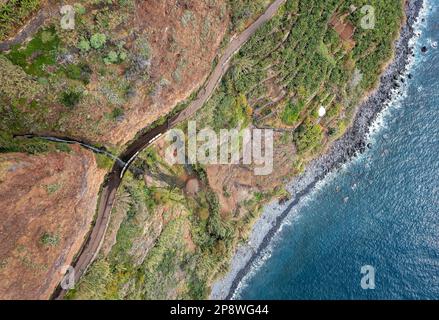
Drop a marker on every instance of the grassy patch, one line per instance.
(103, 161)
(49, 239)
(39, 53)
(52, 188)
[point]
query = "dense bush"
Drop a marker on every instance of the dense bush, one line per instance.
(301, 62)
(98, 40)
(308, 136)
(71, 98)
(81, 72)
(291, 113)
(84, 45)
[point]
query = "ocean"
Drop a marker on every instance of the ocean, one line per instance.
(380, 210)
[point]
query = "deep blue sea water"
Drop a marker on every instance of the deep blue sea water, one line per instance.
(380, 210)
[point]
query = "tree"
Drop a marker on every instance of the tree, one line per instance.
(291, 113)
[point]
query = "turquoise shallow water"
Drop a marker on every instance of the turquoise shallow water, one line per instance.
(381, 210)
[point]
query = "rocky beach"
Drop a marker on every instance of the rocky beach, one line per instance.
(353, 142)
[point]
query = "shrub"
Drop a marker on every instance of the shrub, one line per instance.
(115, 57)
(98, 40)
(37, 54)
(47, 36)
(49, 239)
(30, 146)
(63, 147)
(112, 57)
(232, 112)
(291, 113)
(103, 162)
(79, 8)
(84, 45)
(52, 188)
(117, 113)
(187, 17)
(71, 98)
(15, 83)
(308, 136)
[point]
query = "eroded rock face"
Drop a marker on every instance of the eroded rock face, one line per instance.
(184, 37)
(47, 204)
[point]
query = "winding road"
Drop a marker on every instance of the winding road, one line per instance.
(95, 238)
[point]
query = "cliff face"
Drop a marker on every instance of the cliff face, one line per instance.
(152, 56)
(47, 201)
(183, 39)
(47, 205)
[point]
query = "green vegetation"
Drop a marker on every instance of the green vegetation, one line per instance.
(103, 161)
(374, 47)
(115, 57)
(15, 83)
(173, 245)
(117, 113)
(187, 17)
(170, 244)
(71, 98)
(31, 146)
(80, 72)
(49, 239)
(48, 73)
(63, 147)
(291, 113)
(308, 137)
(79, 9)
(84, 45)
(52, 188)
(98, 40)
(297, 62)
(244, 11)
(160, 261)
(39, 53)
(13, 13)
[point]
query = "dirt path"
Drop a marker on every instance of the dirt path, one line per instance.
(94, 241)
(224, 63)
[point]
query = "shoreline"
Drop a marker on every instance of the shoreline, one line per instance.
(351, 144)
